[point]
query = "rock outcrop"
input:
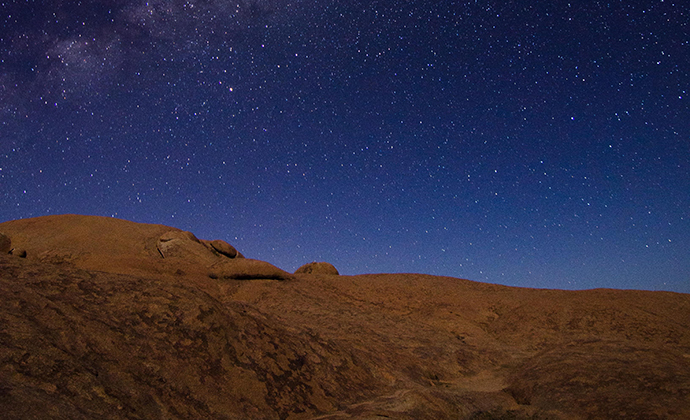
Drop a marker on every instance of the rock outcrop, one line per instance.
(318, 268)
(248, 269)
(7, 248)
(112, 319)
(222, 248)
(123, 247)
(180, 244)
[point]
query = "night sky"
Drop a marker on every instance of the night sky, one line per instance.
(526, 143)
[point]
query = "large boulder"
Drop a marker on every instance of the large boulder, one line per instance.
(179, 243)
(5, 244)
(222, 248)
(318, 268)
(248, 269)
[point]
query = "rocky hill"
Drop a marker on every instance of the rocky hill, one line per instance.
(105, 318)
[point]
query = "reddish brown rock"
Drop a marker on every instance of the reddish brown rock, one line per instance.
(84, 345)
(248, 269)
(223, 248)
(318, 268)
(178, 243)
(95, 324)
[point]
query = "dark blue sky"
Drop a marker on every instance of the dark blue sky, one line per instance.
(538, 144)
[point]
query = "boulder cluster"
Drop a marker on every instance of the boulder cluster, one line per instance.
(87, 241)
(179, 243)
(224, 261)
(6, 247)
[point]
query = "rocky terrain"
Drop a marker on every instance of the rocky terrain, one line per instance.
(105, 318)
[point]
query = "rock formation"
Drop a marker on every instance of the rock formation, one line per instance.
(123, 247)
(180, 244)
(248, 269)
(83, 345)
(318, 268)
(223, 248)
(106, 318)
(7, 248)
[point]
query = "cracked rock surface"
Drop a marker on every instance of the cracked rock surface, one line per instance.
(106, 318)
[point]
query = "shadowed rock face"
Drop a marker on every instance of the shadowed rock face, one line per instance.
(248, 269)
(19, 252)
(5, 244)
(7, 248)
(111, 319)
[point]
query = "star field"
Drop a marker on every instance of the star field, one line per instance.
(537, 145)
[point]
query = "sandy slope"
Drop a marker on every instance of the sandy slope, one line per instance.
(96, 323)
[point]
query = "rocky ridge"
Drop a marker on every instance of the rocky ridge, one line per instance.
(106, 318)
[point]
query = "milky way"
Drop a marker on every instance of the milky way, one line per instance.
(532, 145)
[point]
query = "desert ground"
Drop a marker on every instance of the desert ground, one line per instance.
(106, 318)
